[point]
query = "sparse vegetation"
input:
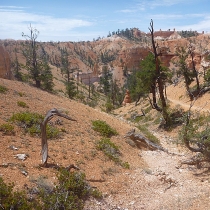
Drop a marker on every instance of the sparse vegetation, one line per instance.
(148, 134)
(15, 200)
(195, 134)
(7, 129)
(22, 104)
(30, 122)
(112, 151)
(176, 116)
(70, 193)
(21, 94)
(103, 128)
(3, 89)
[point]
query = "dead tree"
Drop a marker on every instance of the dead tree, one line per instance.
(159, 79)
(50, 114)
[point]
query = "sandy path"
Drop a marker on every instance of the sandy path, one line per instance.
(186, 106)
(162, 183)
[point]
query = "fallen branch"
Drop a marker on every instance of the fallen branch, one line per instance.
(143, 142)
(196, 160)
(96, 180)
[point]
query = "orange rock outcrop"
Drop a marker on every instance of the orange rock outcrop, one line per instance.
(127, 98)
(5, 64)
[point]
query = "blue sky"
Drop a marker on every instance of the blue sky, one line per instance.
(82, 20)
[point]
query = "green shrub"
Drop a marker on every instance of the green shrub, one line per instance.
(70, 193)
(109, 107)
(26, 119)
(21, 94)
(22, 104)
(109, 149)
(103, 128)
(15, 200)
(112, 151)
(125, 165)
(53, 132)
(7, 129)
(195, 134)
(148, 134)
(176, 116)
(3, 89)
(96, 193)
(31, 124)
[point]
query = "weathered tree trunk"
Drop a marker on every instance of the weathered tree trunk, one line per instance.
(195, 71)
(43, 125)
(159, 78)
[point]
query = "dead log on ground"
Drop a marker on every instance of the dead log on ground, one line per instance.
(143, 142)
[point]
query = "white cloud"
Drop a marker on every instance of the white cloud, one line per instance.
(203, 25)
(127, 11)
(16, 22)
(143, 4)
(11, 7)
(177, 16)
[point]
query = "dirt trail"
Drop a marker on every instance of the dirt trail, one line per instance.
(162, 183)
(186, 106)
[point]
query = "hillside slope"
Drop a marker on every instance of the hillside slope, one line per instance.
(154, 180)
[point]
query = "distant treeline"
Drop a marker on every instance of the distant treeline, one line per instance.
(186, 34)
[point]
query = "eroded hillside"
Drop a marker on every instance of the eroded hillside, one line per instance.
(146, 179)
(155, 179)
(76, 146)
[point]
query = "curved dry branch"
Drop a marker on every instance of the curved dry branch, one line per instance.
(43, 125)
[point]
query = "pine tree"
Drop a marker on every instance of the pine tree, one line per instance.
(30, 52)
(105, 80)
(36, 62)
(66, 69)
(17, 69)
(183, 69)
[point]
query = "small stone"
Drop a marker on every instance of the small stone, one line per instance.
(13, 147)
(25, 173)
(132, 202)
(21, 156)
(4, 165)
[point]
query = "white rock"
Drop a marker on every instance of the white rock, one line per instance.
(21, 156)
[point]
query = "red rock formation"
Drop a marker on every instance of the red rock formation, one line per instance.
(127, 98)
(5, 64)
(131, 57)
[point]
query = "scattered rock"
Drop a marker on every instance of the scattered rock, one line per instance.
(21, 156)
(13, 147)
(25, 173)
(4, 165)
